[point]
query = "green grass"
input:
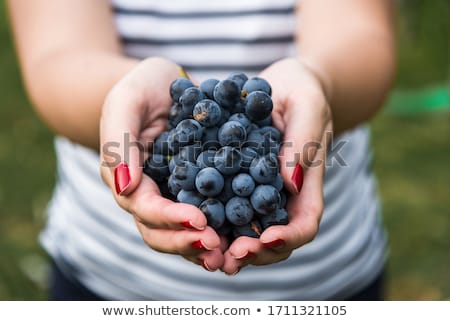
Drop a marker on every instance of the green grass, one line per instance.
(412, 157)
(27, 175)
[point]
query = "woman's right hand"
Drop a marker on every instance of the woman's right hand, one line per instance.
(134, 114)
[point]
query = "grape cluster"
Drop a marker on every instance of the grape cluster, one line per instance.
(220, 154)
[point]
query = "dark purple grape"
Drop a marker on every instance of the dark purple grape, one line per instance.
(228, 160)
(184, 174)
(160, 145)
(279, 217)
(227, 93)
(277, 182)
(239, 211)
(243, 185)
(243, 119)
(264, 122)
(257, 84)
(207, 87)
(189, 99)
(206, 158)
(272, 132)
(214, 212)
(174, 185)
(176, 114)
(209, 182)
(207, 112)
(264, 169)
(232, 133)
(190, 152)
(258, 105)
(238, 77)
(248, 154)
(178, 87)
(262, 143)
(190, 197)
(157, 168)
(188, 131)
(265, 199)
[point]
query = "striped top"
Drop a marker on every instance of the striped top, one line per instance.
(97, 243)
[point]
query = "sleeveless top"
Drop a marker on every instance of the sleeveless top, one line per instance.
(97, 243)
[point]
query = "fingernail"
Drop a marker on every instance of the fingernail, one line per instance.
(182, 72)
(188, 224)
(276, 244)
(122, 177)
(246, 256)
(199, 245)
(234, 273)
(206, 266)
(297, 177)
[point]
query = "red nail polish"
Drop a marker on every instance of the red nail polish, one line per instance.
(297, 177)
(188, 224)
(198, 245)
(275, 244)
(122, 177)
(247, 256)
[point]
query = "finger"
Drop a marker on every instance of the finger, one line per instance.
(183, 242)
(155, 211)
(267, 256)
(305, 211)
(210, 260)
(303, 133)
(240, 253)
(249, 251)
(244, 247)
(122, 153)
(132, 116)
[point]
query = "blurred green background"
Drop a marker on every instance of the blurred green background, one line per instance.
(411, 139)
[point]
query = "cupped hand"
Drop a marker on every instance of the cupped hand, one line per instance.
(134, 114)
(302, 113)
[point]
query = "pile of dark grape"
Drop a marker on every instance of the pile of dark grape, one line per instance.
(220, 154)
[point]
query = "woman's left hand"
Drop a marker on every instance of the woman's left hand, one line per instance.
(301, 111)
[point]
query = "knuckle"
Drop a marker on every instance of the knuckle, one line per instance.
(182, 244)
(310, 228)
(311, 231)
(148, 239)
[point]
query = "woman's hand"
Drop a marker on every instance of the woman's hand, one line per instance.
(134, 114)
(302, 113)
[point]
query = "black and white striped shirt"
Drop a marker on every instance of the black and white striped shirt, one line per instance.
(96, 242)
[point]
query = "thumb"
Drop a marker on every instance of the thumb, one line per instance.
(302, 139)
(122, 154)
